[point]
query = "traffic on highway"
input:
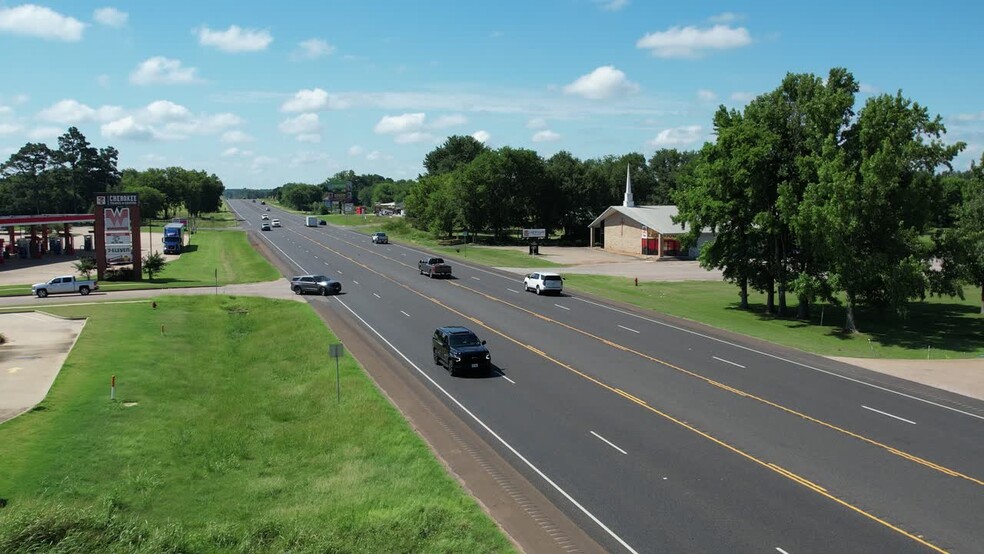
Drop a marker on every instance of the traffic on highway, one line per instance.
(647, 430)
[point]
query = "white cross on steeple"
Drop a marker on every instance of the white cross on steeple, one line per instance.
(628, 202)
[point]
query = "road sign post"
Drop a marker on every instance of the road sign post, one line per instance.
(337, 351)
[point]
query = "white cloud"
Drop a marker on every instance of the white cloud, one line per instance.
(203, 125)
(376, 155)
(235, 39)
(164, 110)
(309, 137)
(677, 136)
(741, 96)
(308, 158)
(111, 17)
(545, 136)
(496, 34)
(309, 100)
(452, 120)
(482, 136)
(162, 71)
(705, 95)
(153, 158)
(400, 124)
(40, 22)
(415, 137)
(313, 49)
(72, 111)
(306, 123)
(612, 5)
(260, 162)
(355, 150)
(536, 123)
(969, 116)
(235, 137)
(234, 152)
(103, 80)
(603, 82)
(725, 18)
(693, 42)
(865, 88)
(127, 128)
(9, 128)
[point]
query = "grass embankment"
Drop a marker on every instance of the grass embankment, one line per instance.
(236, 443)
(935, 328)
(225, 253)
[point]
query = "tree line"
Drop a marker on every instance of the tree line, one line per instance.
(808, 197)
(39, 180)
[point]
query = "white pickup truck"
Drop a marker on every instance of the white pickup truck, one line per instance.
(65, 284)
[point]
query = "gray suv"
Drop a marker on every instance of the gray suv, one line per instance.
(459, 349)
(318, 284)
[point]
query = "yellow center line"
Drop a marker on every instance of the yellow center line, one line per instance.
(771, 467)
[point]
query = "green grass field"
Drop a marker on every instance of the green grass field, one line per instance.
(232, 441)
(935, 328)
(226, 252)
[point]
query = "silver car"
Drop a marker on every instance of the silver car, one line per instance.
(318, 284)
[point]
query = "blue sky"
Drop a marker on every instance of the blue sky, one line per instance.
(263, 93)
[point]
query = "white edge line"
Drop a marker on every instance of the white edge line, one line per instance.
(609, 443)
(493, 433)
(728, 362)
(775, 357)
(628, 329)
(888, 414)
(562, 307)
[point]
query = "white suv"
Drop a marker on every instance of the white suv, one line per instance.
(275, 223)
(542, 283)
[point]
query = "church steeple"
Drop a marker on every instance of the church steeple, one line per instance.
(628, 202)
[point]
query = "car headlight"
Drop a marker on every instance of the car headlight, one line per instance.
(488, 356)
(455, 356)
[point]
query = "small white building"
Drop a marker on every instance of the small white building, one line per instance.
(642, 230)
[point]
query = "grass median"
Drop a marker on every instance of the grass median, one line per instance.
(223, 256)
(937, 328)
(226, 436)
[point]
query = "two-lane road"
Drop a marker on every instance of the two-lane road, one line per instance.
(655, 435)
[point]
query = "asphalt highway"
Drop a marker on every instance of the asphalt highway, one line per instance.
(657, 435)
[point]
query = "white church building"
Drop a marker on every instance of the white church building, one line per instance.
(642, 230)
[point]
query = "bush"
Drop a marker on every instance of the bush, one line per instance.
(119, 274)
(3, 339)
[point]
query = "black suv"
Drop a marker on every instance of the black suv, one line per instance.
(315, 283)
(458, 349)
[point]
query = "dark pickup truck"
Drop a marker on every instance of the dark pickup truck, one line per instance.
(434, 267)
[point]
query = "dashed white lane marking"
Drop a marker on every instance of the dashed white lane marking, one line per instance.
(475, 278)
(376, 295)
(562, 307)
(511, 290)
(404, 313)
(628, 329)
(888, 414)
(728, 362)
(608, 442)
(355, 282)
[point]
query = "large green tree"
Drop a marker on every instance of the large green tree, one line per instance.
(456, 152)
(867, 210)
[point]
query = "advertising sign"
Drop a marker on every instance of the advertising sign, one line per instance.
(534, 233)
(118, 238)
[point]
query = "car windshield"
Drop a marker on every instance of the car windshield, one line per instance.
(465, 340)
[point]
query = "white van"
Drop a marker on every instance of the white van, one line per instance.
(310, 221)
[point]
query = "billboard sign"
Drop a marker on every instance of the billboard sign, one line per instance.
(534, 233)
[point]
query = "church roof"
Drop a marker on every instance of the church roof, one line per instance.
(658, 218)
